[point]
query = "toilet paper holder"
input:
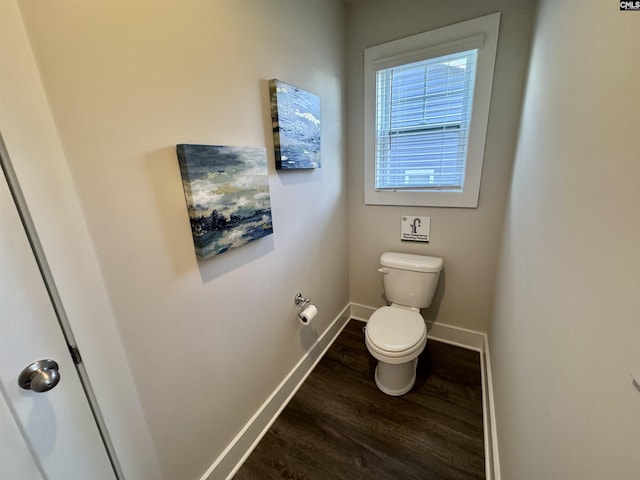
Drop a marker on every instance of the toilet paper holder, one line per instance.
(301, 302)
(306, 310)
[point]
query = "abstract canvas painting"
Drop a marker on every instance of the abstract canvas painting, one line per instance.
(295, 116)
(227, 193)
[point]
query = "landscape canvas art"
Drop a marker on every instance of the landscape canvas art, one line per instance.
(227, 193)
(295, 116)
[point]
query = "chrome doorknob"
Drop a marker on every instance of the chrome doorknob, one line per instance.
(40, 376)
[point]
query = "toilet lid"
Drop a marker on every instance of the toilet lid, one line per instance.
(395, 329)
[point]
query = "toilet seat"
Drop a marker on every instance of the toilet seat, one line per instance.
(396, 332)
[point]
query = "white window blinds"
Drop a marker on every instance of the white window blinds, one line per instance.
(423, 114)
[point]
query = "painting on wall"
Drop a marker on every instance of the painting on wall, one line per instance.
(295, 116)
(227, 193)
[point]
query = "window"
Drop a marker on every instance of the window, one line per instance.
(423, 112)
(426, 110)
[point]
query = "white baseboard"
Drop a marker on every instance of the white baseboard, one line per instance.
(232, 458)
(361, 312)
(492, 459)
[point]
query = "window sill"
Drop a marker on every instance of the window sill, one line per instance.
(421, 199)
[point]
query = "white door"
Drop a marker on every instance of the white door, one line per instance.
(50, 435)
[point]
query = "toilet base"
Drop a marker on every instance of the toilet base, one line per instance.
(396, 379)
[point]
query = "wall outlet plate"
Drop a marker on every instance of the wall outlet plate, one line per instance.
(415, 229)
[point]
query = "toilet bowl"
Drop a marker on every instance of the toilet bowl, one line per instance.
(395, 335)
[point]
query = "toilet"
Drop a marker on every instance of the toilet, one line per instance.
(395, 335)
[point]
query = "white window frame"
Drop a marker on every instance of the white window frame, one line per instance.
(480, 33)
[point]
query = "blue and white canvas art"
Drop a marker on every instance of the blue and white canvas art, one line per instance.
(295, 116)
(227, 193)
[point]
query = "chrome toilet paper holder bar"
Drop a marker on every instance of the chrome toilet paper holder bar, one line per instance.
(301, 302)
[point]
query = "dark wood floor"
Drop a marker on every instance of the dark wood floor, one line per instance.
(340, 426)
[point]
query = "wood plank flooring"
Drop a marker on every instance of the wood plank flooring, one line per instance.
(340, 426)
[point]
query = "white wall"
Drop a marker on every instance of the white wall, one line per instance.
(566, 335)
(127, 81)
(467, 239)
(39, 161)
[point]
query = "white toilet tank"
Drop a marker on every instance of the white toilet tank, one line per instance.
(408, 279)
